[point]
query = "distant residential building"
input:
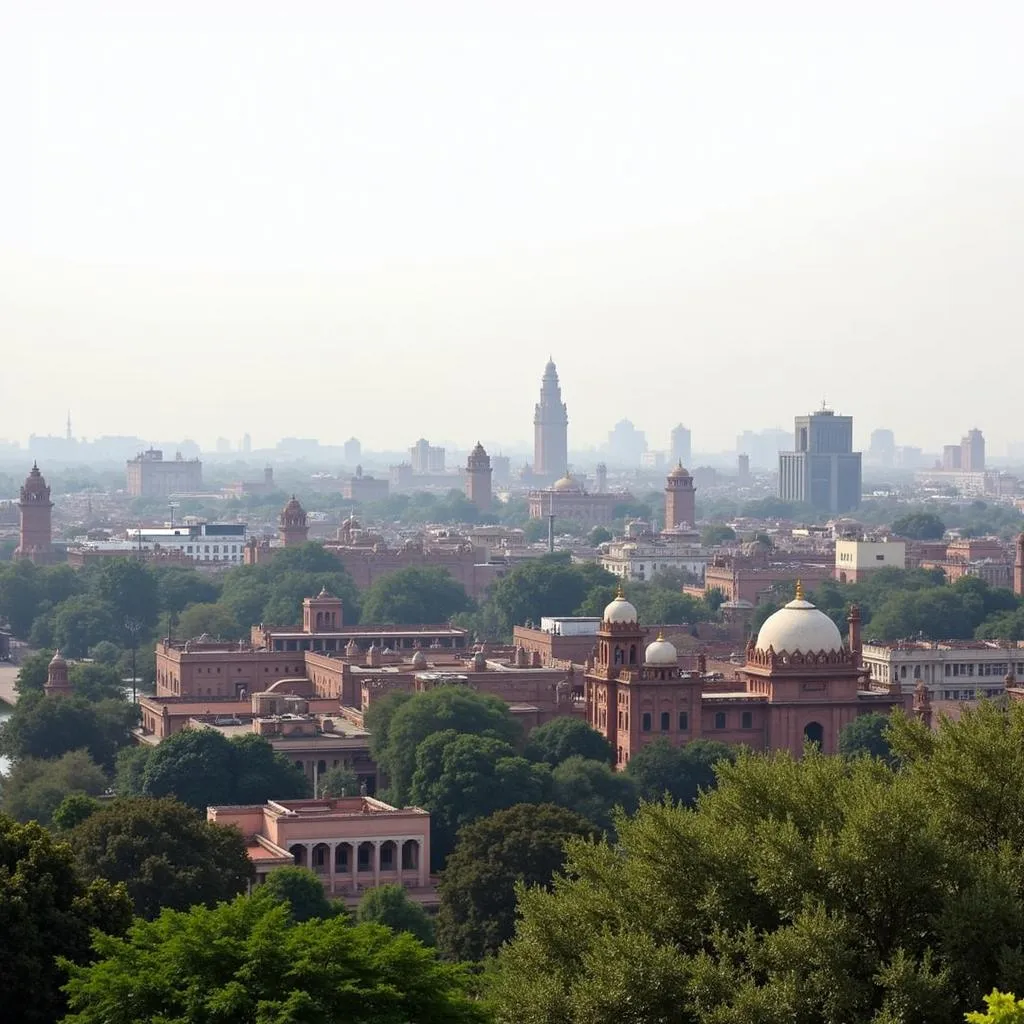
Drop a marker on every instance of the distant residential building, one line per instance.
(952, 458)
(764, 446)
(882, 450)
(362, 488)
(822, 470)
(149, 475)
(246, 445)
(644, 557)
(679, 449)
(244, 487)
(550, 429)
(626, 444)
(743, 467)
(857, 559)
(972, 457)
(353, 451)
(426, 458)
(501, 466)
(202, 542)
(957, 670)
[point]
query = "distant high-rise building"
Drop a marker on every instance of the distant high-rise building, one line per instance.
(550, 429)
(882, 449)
(426, 458)
(501, 466)
(823, 470)
(149, 476)
(246, 445)
(972, 457)
(626, 444)
(763, 446)
(478, 478)
(680, 446)
(601, 479)
(223, 446)
(743, 467)
(952, 457)
(353, 451)
(35, 530)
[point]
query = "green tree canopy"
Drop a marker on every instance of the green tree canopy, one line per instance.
(303, 893)
(47, 727)
(523, 844)
(391, 906)
(164, 853)
(1001, 1008)
(214, 619)
(34, 788)
(593, 789)
(46, 912)
(80, 622)
(339, 781)
(203, 768)
(565, 737)
(919, 526)
(715, 534)
(413, 596)
(682, 773)
(460, 777)
(866, 735)
(33, 672)
(405, 723)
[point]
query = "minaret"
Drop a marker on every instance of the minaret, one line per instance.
(550, 429)
(1018, 567)
(57, 682)
(680, 499)
(292, 528)
(601, 476)
(35, 527)
(478, 478)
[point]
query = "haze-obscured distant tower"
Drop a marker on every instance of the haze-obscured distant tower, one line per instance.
(478, 478)
(353, 451)
(680, 499)
(35, 532)
(246, 444)
(823, 470)
(293, 529)
(972, 452)
(550, 429)
(952, 458)
(743, 467)
(680, 446)
(601, 478)
(68, 434)
(883, 447)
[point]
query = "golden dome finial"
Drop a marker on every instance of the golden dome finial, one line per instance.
(620, 593)
(800, 590)
(661, 635)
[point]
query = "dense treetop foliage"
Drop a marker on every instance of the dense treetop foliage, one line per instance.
(414, 595)
(391, 906)
(250, 962)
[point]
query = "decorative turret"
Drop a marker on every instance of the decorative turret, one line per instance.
(680, 499)
(478, 478)
(57, 682)
(293, 529)
(34, 516)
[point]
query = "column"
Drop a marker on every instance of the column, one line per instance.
(309, 856)
(332, 853)
(354, 865)
(376, 862)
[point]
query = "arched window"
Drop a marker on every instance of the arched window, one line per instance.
(814, 732)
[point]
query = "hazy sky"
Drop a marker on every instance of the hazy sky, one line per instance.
(380, 218)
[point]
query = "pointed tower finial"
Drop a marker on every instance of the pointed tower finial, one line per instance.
(620, 594)
(800, 590)
(661, 635)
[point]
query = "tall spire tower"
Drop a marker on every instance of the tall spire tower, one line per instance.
(550, 429)
(69, 426)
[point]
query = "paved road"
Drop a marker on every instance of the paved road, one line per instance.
(8, 673)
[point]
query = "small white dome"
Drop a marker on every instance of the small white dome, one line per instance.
(661, 652)
(799, 626)
(620, 610)
(567, 483)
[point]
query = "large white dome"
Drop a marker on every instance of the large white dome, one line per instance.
(620, 610)
(799, 626)
(661, 652)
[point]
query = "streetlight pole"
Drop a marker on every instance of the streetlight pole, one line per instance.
(133, 627)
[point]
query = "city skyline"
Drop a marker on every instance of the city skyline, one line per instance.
(334, 202)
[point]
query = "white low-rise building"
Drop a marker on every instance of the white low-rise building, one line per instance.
(200, 542)
(960, 670)
(856, 559)
(643, 558)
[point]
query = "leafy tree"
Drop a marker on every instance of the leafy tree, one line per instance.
(593, 789)
(164, 852)
(215, 619)
(302, 891)
(73, 810)
(249, 961)
(81, 622)
(411, 721)
(415, 595)
(1001, 1008)
(105, 652)
(35, 789)
(865, 735)
(20, 594)
(919, 526)
(33, 672)
(203, 768)
(565, 737)
(96, 682)
(523, 844)
(129, 590)
(462, 777)
(180, 586)
(391, 906)
(47, 912)
(715, 534)
(339, 781)
(682, 773)
(598, 535)
(47, 727)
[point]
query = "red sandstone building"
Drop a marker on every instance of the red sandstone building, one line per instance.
(35, 528)
(800, 683)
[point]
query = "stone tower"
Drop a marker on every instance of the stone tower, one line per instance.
(550, 429)
(34, 510)
(680, 499)
(478, 478)
(293, 529)
(1018, 567)
(601, 479)
(57, 682)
